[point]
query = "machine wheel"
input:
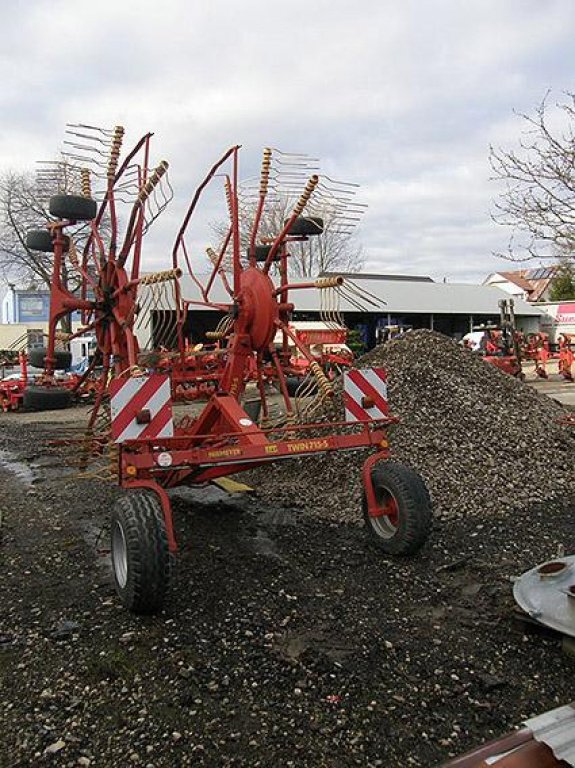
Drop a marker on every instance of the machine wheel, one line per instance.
(141, 559)
(73, 207)
(37, 358)
(402, 492)
(263, 251)
(41, 240)
(306, 226)
(46, 398)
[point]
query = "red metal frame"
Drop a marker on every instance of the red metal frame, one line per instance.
(222, 440)
(538, 349)
(12, 390)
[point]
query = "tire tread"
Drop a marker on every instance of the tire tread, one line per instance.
(415, 511)
(149, 561)
(46, 398)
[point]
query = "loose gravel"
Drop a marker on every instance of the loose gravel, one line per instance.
(484, 443)
(288, 640)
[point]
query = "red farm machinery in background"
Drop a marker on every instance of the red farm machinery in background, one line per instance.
(537, 348)
(132, 435)
(25, 386)
(499, 345)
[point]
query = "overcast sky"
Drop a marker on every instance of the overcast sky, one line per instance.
(402, 97)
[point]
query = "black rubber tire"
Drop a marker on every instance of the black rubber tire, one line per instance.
(46, 398)
(73, 207)
(138, 520)
(37, 358)
(262, 252)
(306, 226)
(41, 240)
(414, 509)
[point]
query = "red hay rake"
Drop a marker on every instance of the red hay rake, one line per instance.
(132, 428)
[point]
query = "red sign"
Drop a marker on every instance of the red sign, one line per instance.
(566, 313)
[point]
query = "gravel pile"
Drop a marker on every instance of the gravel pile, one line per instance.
(484, 442)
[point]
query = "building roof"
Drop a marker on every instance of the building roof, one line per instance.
(533, 281)
(371, 276)
(395, 297)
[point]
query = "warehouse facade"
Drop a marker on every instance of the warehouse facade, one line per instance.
(413, 301)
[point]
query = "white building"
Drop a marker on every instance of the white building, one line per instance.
(527, 284)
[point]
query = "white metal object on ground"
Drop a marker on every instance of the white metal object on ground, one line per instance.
(547, 595)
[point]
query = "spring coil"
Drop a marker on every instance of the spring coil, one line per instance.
(86, 183)
(329, 282)
(322, 381)
(153, 181)
(228, 188)
(265, 174)
(303, 201)
(73, 255)
(161, 277)
(115, 151)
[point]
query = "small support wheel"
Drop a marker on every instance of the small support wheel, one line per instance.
(41, 240)
(405, 522)
(38, 398)
(263, 251)
(73, 207)
(37, 358)
(141, 560)
(306, 226)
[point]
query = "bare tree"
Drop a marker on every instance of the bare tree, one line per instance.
(24, 203)
(538, 198)
(335, 250)
(22, 208)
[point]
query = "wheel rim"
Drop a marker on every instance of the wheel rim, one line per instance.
(386, 523)
(119, 555)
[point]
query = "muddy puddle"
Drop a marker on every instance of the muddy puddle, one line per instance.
(24, 472)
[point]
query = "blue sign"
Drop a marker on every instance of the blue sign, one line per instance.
(32, 307)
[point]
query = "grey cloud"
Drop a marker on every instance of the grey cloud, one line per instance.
(401, 97)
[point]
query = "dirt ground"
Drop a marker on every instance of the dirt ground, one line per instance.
(287, 641)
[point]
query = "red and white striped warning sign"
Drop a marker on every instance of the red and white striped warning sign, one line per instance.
(141, 407)
(365, 394)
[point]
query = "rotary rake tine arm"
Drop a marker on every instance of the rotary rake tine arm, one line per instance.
(263, 191)
(320, 283)
(218, 269)
(147, 189)
(210, 175)
(143, 142)
(297, 211)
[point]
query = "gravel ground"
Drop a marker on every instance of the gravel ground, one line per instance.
(288, 640)
(484, 443)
